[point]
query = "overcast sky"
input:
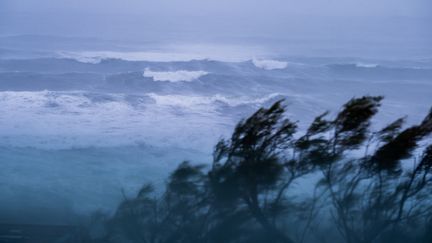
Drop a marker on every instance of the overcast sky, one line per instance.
(360, 20)
(234, 7)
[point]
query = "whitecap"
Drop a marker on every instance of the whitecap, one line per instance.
(79, 57)
(366, 65)
(269, 64)
(174, 76)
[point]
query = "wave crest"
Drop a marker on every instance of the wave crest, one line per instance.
(269, 64)
(174, 76)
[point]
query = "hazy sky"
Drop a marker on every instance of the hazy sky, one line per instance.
(214, 20)
(235, 7)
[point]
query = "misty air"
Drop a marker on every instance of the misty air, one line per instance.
(218, 121)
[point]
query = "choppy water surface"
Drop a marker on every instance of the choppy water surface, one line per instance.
(78, 127)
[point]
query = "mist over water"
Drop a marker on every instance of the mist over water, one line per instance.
(95, 100)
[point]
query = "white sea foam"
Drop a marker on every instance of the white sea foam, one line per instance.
(81, 57)
(269, 64)
(366, 65)
(52, 119)
(174, 76)
(97, 56)
(171, 53)
(191, 101)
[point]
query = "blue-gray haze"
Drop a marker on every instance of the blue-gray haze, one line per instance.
(100, 96)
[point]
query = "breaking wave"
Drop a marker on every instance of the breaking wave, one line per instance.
(80, 119)
(174, 76)
(269, 64)
(366, 65)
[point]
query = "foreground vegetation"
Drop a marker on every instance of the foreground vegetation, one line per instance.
(337, 182)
